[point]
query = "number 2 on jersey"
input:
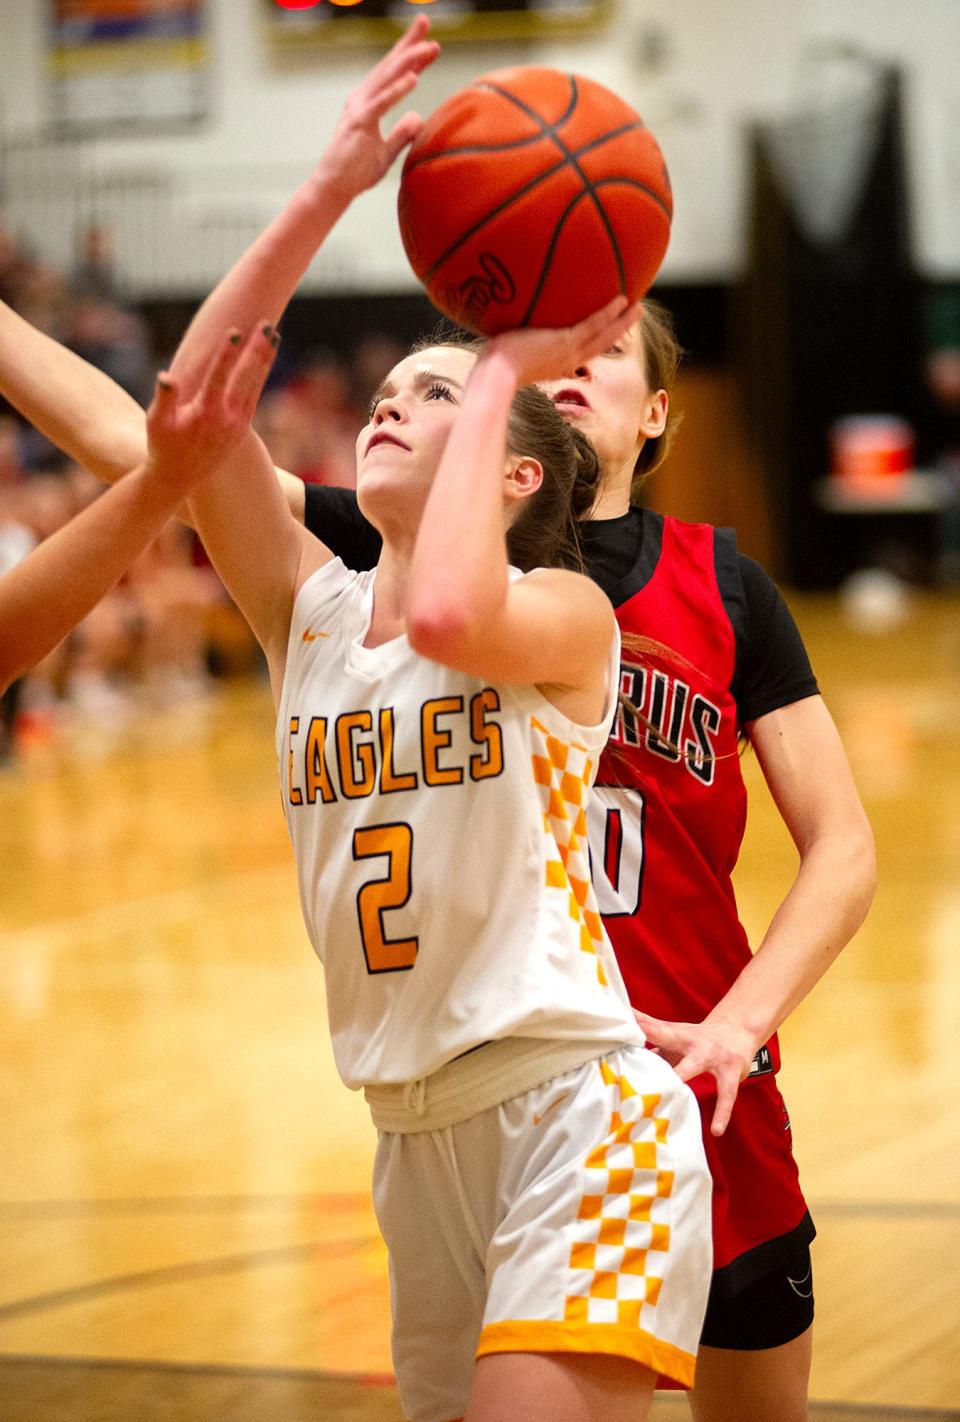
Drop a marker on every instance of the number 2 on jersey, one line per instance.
(615, 824)
(395, 844)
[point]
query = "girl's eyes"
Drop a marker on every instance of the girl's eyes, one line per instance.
(437, 390)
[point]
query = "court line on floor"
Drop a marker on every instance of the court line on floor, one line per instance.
(233, 891)
(180, 1273)
(891, 1209)
(163, 1365)
(384, 1380)
(159, 1205)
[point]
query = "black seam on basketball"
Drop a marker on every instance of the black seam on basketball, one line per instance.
(546, 130)
(549, 131)
(571, 159)
(601, 183)
(633, 183)
(613, 241)
(535, 182)
(520, 143)
(548, 258)
(532, 113)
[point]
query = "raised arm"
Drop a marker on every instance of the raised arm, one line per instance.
(261, 557)
(91, 418)
(357, 157)
(78, 408)
(82, 410)
(56, 586)
(464, 609)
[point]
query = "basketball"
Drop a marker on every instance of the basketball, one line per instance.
(531, 198)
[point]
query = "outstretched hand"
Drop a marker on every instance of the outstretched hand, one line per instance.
(543, 353)
(692, 1048)
(358, 155)
(189, 439)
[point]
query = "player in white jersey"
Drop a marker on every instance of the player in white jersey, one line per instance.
(540, 1179)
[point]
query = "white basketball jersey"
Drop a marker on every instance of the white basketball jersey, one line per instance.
(439, 829)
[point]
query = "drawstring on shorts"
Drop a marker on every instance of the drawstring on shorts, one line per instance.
(415, 1095)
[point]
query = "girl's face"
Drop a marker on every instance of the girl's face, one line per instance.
(609, 400)
(411, 416)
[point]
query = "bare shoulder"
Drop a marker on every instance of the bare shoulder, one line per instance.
(575, 591)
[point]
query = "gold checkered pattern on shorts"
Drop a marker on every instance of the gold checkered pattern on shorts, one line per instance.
(621, 1227)
(563, 773)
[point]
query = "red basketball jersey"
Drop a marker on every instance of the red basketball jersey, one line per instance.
(668, 820)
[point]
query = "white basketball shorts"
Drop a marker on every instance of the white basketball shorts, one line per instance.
(573, 1218)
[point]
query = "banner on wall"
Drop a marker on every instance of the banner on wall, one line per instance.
(304, 23)
(127, 63)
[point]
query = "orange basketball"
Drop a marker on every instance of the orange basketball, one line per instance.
(531, 198)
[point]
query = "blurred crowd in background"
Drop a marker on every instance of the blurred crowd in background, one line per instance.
(162, 636)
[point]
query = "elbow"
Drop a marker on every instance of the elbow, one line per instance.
(867, 865)
(441, 631)
(859, 868)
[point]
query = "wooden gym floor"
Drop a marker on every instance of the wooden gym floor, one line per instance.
(185, 1227)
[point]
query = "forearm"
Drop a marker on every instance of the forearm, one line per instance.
(459, 574)
(47, 594)
(79, 408)
(264, 279)
(825, 906)
(241, 516)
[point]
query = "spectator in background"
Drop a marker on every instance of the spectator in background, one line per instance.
(113, 340)
(94, 278)
(310, 425)
(43, 297)
(101, 325)
(12, 263)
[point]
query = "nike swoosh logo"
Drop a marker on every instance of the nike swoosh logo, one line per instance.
(309, 636)
(795, 1285)
(546, 1112)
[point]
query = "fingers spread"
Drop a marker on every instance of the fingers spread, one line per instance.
(405, 132)
(251, 371)
(408, 62)
(392, 94)
(218, 371)
(164, 403)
